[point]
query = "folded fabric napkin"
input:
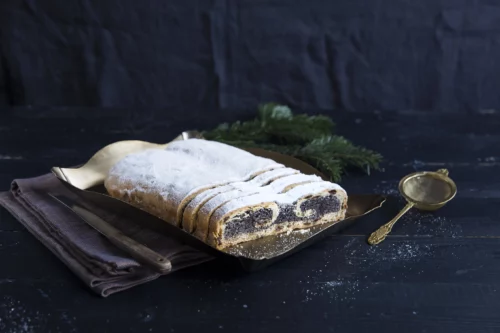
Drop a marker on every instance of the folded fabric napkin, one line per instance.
(97, 262)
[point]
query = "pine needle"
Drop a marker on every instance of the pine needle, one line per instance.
(309, 138)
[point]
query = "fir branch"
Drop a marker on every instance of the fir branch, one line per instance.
(309, 138)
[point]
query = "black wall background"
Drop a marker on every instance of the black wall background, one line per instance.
(432, 55)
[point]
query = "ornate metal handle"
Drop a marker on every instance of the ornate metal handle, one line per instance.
(381, 233)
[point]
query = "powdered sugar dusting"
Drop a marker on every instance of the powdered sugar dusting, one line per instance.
(268, 176)
(193, 207)
(15, 318)
(273, 195)
(355, 267)
(388, 189)
(281, 184)
(205, 202)
(303, 231)
(184, 167)
(341, 289)
(423, 223)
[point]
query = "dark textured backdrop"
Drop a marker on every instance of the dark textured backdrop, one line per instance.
(310, 54)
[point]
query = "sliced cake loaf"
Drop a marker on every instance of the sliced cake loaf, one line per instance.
(190, 212)
(164, 181)
(251, 217)
(222, 194)
(278, 186)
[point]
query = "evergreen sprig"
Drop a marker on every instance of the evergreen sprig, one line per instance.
(309, 138)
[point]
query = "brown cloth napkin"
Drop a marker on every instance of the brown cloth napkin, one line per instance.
(98, 263)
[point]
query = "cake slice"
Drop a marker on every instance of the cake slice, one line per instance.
(190, 212)
(251, 217)
(278, 186)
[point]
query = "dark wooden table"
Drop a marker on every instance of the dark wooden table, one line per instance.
(437, 272)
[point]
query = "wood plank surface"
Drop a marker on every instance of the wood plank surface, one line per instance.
(436, 272)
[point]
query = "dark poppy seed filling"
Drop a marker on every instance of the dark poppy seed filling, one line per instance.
(247, 223)
(241, 224)
(319, 205)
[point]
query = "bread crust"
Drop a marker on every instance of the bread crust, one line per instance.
(202, 187)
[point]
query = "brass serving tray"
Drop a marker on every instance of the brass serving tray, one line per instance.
(87, 182)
